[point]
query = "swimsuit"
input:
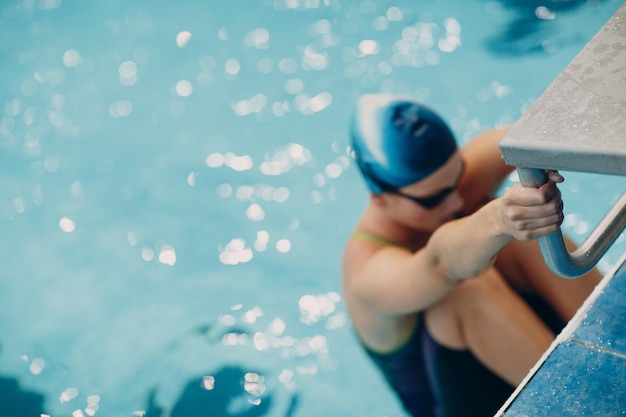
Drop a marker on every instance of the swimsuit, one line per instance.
(371, 237)
(405, 371)
(432, 380)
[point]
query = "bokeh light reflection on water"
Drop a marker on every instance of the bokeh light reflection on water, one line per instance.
(176, 186)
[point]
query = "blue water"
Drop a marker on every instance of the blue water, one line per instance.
(176, 189)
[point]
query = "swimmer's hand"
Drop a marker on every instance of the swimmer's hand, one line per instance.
(529, 213)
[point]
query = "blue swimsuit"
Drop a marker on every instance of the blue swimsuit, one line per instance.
(434, 381)
(405, 370)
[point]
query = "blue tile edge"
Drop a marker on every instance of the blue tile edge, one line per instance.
(565, 335)
(576, 380)
(603, 326)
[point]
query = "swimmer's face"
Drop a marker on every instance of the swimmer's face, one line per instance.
(435, 199)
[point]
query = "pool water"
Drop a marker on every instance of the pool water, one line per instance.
(176, 188)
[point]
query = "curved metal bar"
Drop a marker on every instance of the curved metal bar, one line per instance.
(583, 259)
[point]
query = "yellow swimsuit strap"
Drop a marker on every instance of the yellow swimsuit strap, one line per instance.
(370, 237)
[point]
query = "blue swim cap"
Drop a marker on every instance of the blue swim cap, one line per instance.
(397, 141)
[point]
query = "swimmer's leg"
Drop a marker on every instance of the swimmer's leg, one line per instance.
(523, 266)
(488, 318)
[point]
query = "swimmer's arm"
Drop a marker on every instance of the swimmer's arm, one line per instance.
(463, 249)
(485, 170)
(395, 281)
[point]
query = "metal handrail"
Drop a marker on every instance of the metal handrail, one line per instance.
(583, 259)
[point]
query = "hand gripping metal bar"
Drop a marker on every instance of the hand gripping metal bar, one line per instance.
(583, 259)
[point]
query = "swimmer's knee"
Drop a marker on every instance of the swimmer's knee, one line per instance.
(480, 296)
(443, 324)
(448, 320)
(480, 289)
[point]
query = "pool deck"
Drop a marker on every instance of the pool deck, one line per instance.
(584, 371)
(578, 124)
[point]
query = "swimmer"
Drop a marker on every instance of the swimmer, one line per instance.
(445, 283)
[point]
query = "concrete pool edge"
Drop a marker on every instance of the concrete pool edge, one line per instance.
(565, 336)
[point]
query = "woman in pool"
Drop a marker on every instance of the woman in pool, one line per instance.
(445, 284)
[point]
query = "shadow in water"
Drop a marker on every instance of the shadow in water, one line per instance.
(16, 402)
(225, 397)
(534, 27)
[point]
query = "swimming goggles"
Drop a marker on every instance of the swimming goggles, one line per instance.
(432, 200)
(428, 202)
